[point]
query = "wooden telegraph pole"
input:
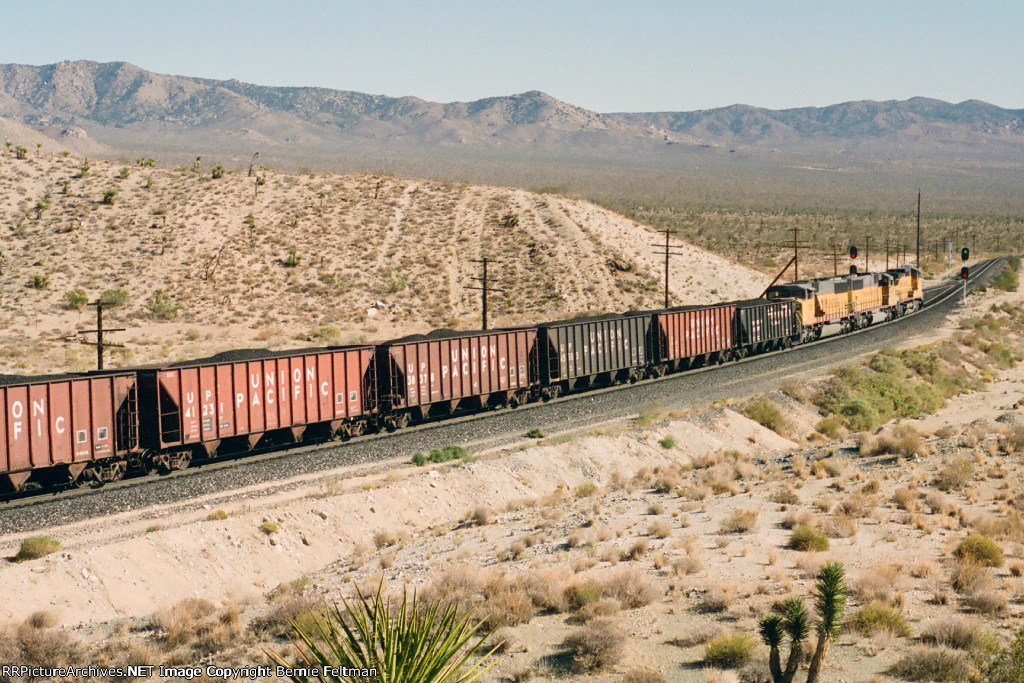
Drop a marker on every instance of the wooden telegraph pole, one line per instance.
(917, 261)
(99, 343)
(483, 288)
(667, 250)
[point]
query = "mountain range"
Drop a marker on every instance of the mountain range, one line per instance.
(130, 109)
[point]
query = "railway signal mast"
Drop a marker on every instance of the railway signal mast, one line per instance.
(853, 257)
(965, 254)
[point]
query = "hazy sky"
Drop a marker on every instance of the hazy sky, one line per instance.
(606, 56)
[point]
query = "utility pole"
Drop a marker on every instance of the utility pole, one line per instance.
(483, 288)
(100, 344)
(835, 259)
(918, 262)
(887, 254)
(867, 253)
(667, 250)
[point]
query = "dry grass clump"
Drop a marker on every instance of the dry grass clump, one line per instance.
(730, 651)
(785, 496)
(36, 547)
(631, 587)
(659, 529)
(482, 516)
(879, 583)
(988, 602)
(383, 538)
(579, 594)
(585, 490)
(42, 619)
(958, 633)
(905, 499)
(970, 577)
(596, 646)
(879, 615)
(903, 440)
(840, 525)
(182, 623)
(605, 607)
(767, 414)
(644, 676)
(637, 550)
(808, 539)
(739, 521)
(956, 474)
(716, 599)
(981, 550)
(932, 664)
(41, 647)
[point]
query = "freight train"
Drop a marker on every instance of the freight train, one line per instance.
(92, 428)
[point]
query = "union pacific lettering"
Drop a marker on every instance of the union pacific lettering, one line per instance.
(38, 420)
(472, 361)
(300, 384)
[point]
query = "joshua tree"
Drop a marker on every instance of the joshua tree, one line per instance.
(830, 601)
(792, 621)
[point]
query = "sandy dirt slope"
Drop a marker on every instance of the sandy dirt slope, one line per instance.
(303, 258)
(688, 517)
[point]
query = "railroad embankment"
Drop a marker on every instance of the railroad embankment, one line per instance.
(649, 547)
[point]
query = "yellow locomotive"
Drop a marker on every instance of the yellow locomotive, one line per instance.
(852, 301)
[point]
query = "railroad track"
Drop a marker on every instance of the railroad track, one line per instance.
(484, 430)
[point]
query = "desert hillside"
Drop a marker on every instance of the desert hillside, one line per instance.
(206, 259)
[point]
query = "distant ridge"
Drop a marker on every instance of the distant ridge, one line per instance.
(126, 107)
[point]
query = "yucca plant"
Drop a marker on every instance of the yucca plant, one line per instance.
(830, 600)
(410, 643)
(792, 621)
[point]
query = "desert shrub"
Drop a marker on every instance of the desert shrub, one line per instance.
(668, 442)
(36, 547)
(447, 453)
(659, 529)
(1005, 665)
(162, 306)
(905, 499)
(894, 384)
(535, 433)
(637, 550)
(605, 607)
(979, 549)
(955, 474)
(113, 297)
(831, 426)
(74, 299)
(932, 664)
(987, 602)
(1006, 280)
(878, 615)
(903, 440)
(739, 521)
(382, 538)
(270, 528)
(650, 412)
(631, 587)
(419, 458)
(579, 594)
(729, 651)
(717, 599)
(108, 196)
(766, 414)
(482, 516)
(277, 621)
(585, 490)
(598, 645)
(957, 633)
(644, 676)
(38, 281)
(808, 539)
(969, 578)
(216, 515)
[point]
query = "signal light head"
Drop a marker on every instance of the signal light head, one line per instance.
(965, 254)
(853, 252)
(963, 272)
